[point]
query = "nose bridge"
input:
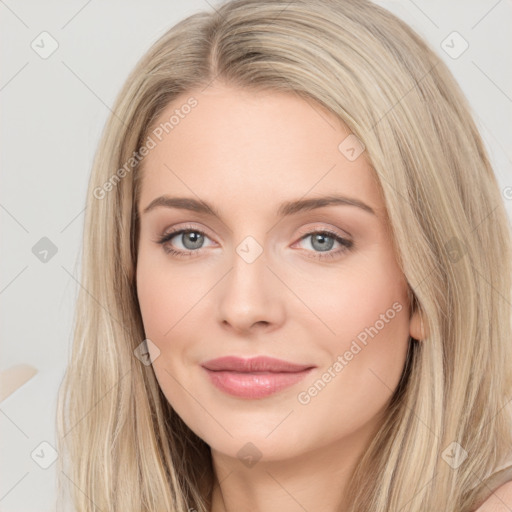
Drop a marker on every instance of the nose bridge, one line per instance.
(250, 266)
(248, 295)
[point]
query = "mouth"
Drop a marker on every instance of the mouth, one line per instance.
(256, 377)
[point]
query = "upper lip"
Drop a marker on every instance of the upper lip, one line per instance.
(254, 364)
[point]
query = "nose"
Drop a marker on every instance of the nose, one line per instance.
(250, 297)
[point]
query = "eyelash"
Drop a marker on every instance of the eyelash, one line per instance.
(346, 245)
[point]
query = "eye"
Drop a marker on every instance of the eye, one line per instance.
(191, 239)
(322, 242)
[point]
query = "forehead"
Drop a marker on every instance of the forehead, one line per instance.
(248, 146)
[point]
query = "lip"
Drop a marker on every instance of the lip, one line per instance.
(256, 377)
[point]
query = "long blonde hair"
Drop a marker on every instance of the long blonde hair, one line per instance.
(122, 446)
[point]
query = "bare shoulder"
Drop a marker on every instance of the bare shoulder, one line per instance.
(499, 501)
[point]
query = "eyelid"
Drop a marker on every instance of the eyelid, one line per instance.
(303, 231)
(322, 228)
(186, 227)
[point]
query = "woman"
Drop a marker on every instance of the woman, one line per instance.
(296, 277)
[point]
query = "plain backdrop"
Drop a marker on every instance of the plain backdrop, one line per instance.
(53, 110)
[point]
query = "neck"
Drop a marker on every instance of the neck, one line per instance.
(312, 480)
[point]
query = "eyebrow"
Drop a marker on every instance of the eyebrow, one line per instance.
(286, 209)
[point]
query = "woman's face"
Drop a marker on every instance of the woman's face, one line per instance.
(261, 277)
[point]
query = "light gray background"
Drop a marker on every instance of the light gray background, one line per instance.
(53, 111)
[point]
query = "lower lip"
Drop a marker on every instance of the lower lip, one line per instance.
(254, 385)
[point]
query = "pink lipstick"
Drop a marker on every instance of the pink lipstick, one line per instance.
(257, 377)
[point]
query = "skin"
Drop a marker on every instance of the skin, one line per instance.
(247, 152)
(499, 501)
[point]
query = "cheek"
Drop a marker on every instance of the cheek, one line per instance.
(366, 311)
(362, 369)
(163, 304)
(169, 302)
(165, 296)
(363, 292)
